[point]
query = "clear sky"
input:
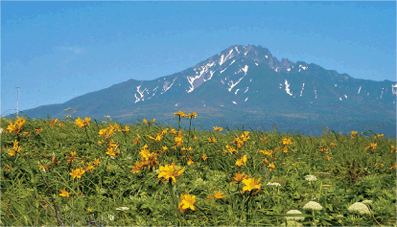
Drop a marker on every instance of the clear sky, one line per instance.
(56, 51)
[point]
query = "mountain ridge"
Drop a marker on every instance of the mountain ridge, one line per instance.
(244, 78)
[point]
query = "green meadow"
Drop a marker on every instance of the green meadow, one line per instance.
(82, 172)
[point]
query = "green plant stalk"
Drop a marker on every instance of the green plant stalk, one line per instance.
(88, 137)
(188, 138)
(173, 198)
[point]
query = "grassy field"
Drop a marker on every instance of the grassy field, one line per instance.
(82, 172)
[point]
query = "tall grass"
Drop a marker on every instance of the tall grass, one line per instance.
(122, 186)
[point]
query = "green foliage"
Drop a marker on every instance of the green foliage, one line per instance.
(348, 170)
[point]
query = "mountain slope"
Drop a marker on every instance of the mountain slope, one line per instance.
(245, 84)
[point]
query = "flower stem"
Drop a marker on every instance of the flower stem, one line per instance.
(174, 201)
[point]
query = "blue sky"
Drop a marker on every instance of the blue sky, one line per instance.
(56, 51)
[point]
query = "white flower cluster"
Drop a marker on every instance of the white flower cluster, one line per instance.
(294, 218)
(367, 201)
(122, 208)
(273, 184)
(358, 207)
(312, 206)
(311, 178)
(291, 223)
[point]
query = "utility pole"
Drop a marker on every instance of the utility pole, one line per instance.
(17, 98)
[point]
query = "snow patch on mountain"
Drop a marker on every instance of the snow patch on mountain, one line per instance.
(256, 64)
(359, 89)
(246, 90)
(137, 99)
(315, 94)
(394, 89)
(340, 98)
(288, 69)
(266, 56)
(231, 84)
(203, 70)
(223, 58)
(236, 91)
(237, 50)
(166, 87)
(303, 67)
(234, 102)
(345, 96)
(222, 71)
(246, 99)
(303, 87)
(287, 90)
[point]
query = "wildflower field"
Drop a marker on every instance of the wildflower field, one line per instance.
(82, 172)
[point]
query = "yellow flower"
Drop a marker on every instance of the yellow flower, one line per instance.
(61, 124)
(187, 202)
(204, 157)
(265, 161)
(111, 152)
(239, 177)
(251, 184)
(89, 167)
(332, 144)
(190, 162)
(145, 121)
(16, 147)
(108, 167)
(217, 129)
(77, 173)
(285, 150)
(83, 123)
(195, 138)
(168, 171)
(353, 134)
(138, 166)
(64, 193)
(393, 167)
(328, 158)
(271, 166)
(239, 162)
(89, 210)
(12, 153)
(242, 160)
(378, 136)
(43, 167)
(53, 122)
(231, 149)
(211, 140)
(96, 162)
(218, 195)
(145, 154)
(192, 115)
(181, 114)
(38, 129)
(266, 152)
(71, 158)
(126, 129)
(287, 141)
(11, 127)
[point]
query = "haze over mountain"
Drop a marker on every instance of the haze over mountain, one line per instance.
(246, 85)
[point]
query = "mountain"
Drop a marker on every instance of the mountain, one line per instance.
(246, 85)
